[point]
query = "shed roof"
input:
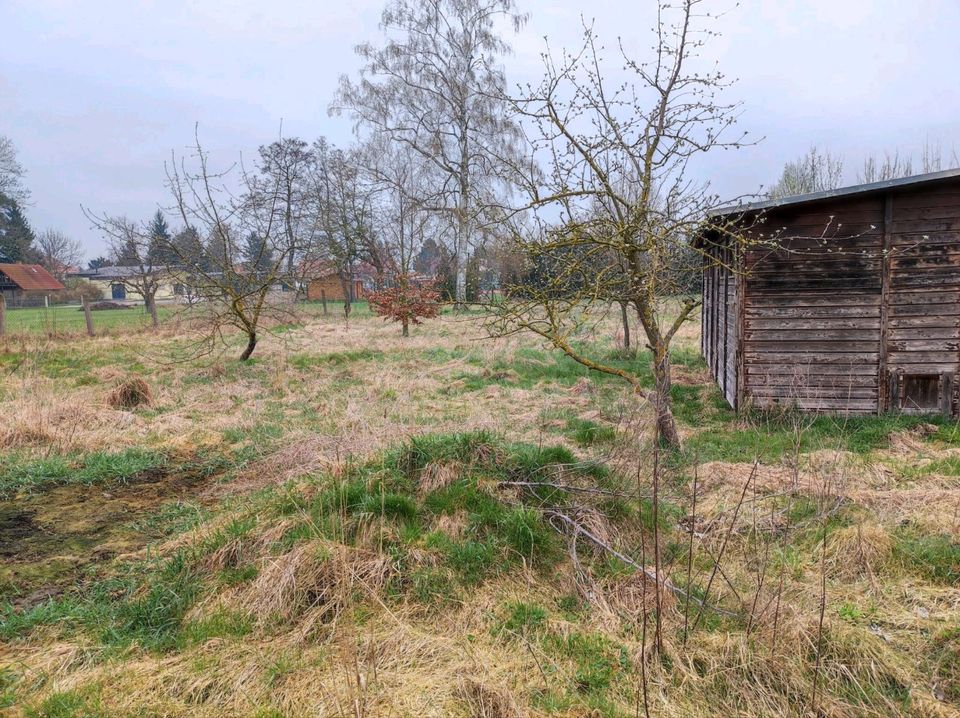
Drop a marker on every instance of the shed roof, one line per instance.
(859, 189)
(31, 277)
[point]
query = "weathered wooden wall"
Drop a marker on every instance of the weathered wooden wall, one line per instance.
(719, 320)
(858, 292)
(811, 317)
(923, 299)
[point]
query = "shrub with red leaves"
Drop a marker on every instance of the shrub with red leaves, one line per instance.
(409, 302)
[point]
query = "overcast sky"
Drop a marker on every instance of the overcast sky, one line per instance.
(96, 94)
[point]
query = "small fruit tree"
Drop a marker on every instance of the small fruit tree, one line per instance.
(408, 301)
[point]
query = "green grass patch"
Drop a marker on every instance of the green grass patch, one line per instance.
(335, 359)
(78, 703)
(586, 433)
(935, 557)
(99, 467)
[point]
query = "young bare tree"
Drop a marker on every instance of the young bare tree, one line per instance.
(814, 172)
(343, 202)
(129, 244)
(57, 252)
(614, 206)
(249, 243)
(435, 86)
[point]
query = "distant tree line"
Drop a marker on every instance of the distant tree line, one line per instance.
(819, 170)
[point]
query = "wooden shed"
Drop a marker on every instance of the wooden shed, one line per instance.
(841, 301)
(19, 283)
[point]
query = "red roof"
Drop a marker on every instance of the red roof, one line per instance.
(31, 277)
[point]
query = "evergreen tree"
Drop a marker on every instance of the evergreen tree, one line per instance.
(160, 250)
(189, 250)
(98, 263)
(128, 254)
(16, 236)
(258, 256)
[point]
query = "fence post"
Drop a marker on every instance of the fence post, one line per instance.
(323, 298)
(87, 315)
(3, 314)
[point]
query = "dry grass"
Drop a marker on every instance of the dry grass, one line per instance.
(328, 638)
(130, 393)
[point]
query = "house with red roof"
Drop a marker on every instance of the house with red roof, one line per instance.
(21, 283)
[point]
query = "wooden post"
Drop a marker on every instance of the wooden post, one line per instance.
(323, 300)
(87, 315)
(3, 315)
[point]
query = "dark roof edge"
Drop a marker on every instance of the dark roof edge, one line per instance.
(839, 192)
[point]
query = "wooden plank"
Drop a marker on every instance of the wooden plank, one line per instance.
(930, 297)
(944, 356)
(787, 392)
(941, 212)
(778, 313)
(922, 345)
(810, 380)
(836, 345)
(926, 226)
(813, 334)
(853, 406)
(923, 333)
(824, 322)
(929, 198)
(855, 239)
(926, 260)
(826, 372)
(932, 321)
(807, 357)
(824, 299)
(813, 266)
(923, 241)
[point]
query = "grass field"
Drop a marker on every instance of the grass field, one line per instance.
(356, 524)
(68, 319)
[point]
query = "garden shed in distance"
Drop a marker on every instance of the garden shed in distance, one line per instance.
(22, 284)
(843, 301)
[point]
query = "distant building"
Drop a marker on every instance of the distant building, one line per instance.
(322, 280)
(116, 283)
(27, 283)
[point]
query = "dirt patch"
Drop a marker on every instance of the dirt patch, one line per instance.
(54, 539)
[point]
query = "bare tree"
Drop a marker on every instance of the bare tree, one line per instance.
(435, 86)
(58, 252)
(816, 171)
(235, 280)
(129, 243)
(343, 201)
(288, 165)
(11, 172)
(895, 166)
(614, 206)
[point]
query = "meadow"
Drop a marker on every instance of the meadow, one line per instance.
(357, 524)
(68, 319)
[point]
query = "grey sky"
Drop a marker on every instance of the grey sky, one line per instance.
(96, 94)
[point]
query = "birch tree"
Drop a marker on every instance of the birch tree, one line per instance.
(435, 86)
(11, 172)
